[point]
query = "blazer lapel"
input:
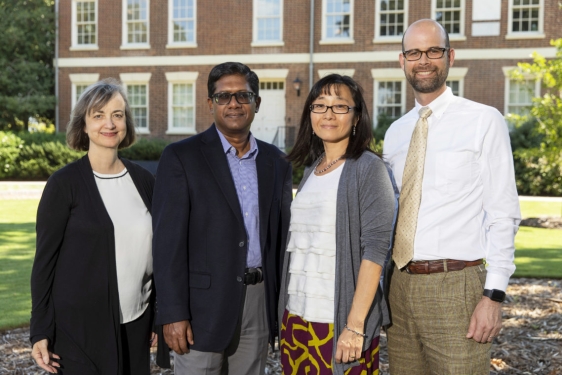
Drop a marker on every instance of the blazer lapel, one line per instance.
(266, 179)
(216, 159)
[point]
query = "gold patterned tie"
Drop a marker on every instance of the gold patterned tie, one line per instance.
(410, 194)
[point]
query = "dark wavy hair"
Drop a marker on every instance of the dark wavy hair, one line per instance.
(95, 97)
(232, 68)
(309, 147)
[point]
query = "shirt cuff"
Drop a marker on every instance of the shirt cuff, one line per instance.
(496, 281)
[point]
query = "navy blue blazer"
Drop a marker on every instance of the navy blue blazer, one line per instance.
(200, 242)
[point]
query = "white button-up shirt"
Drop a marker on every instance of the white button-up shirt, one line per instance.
(469, 207)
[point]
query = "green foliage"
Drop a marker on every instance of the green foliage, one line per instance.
(10, 148)
(383, 123)
(525, 135)
(538, 172)
(39, 161)
(144, 149)
(26, 62)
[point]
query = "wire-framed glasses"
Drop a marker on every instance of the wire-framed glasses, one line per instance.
(339, 109)
(432, 53)
(242, 97)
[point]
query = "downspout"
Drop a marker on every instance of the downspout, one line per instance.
(311, 62)
(57, 65)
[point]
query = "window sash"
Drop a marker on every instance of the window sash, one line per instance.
(389, 98)
(183, 21)
(86, 22)
(449, 14)
(391, 18)
(525, 16)
(338, 19)
(137, 21)
(268, 20)
(138, 102)
(183, 107)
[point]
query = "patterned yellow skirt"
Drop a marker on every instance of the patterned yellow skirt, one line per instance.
(306, 349)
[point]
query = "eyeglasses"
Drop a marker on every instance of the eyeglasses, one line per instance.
(432, 53)
(338, 109)
(243, 97)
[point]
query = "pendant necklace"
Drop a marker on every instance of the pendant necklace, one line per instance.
(317, 172)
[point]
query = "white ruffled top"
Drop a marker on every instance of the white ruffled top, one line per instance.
(312, 246)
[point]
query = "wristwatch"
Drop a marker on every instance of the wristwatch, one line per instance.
(495, 294)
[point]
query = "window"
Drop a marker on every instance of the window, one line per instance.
(181, 102)
(337, 21)
(450, 14)
(389, 94)
(135, 23)
(390, 20)
(456, 80)
(519, 95)
(182, 25)
(526, 18)
(137, 94)
(84, 25)
(455, 86)
(79, 83)
(268, 22)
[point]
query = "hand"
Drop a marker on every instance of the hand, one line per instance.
(349, 346)
(43, 357)
(177, 335)
(486, 321)
(153, 340)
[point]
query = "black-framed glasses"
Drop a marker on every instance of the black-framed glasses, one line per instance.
(339, 109)
(242, 97)
(432, 53)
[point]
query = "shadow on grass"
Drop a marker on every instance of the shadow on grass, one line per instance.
(17, 250)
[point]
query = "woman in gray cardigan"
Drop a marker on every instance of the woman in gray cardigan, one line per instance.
(342, 218)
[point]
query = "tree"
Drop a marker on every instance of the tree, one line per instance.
(26, 62)
(547, 110)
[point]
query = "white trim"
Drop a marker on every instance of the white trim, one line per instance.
(171, 43)
(388, 39)
(342, 72)
(272, 73)
(74, 46)
(387, 79)
(458, 74)
(539, 34)
(85, 79)
(348, 40)
(125, 45)
(263, 43)
(177, 78)
(507, 74)
(296, 58)
(461, 85)
(387, 74)
(453, 36)
(135, 78)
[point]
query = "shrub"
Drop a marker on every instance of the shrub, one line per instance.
(538, 172)
(10, 148)
(39, 161)
(144, 149)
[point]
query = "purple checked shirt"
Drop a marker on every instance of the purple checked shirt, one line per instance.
(245, 176)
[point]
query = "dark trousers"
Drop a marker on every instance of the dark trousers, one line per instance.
(135, 343)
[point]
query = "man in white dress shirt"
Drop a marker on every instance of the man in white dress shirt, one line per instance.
(459, 213)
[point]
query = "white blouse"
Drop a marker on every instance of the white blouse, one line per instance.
(313, 244)
(132, 225)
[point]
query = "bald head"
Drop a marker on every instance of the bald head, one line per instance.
(427, 27)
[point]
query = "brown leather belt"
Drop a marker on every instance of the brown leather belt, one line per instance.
(443, 265)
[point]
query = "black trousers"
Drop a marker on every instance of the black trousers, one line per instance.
(135, 343)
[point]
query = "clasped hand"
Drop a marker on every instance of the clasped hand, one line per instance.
(349, 347)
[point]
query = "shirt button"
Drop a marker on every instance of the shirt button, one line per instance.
(239, 279)
(241, 244)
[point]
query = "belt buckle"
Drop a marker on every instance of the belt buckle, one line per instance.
(250, 278)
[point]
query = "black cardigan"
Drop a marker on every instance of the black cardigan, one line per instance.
(75, 300)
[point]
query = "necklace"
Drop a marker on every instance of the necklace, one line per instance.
(316, 171)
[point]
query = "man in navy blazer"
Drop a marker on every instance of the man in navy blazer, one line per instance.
(221, 212)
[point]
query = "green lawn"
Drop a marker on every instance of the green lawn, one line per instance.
(538, 254)
(17, 248)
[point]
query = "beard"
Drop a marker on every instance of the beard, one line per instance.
(427, 86)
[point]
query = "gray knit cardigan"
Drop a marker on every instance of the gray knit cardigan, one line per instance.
(366, 212)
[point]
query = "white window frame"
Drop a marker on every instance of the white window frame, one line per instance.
(388, 75)
(342, 72)
(179, 78)
(171, 42)
(507, 73)
(268, 43)
(139, 79)
(81, 79)
(125, 29)
(453, 36)
(385, 38)
(74, 27)
(539, 34)
(458, 74)
(348, 40)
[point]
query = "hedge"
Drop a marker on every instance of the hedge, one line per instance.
(35, 156)
(538, 172)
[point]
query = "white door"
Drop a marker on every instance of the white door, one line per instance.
(271, 115)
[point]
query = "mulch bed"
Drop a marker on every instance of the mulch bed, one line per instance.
(530, 342)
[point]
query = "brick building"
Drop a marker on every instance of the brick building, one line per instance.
(163, 52)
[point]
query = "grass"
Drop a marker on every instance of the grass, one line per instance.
(538, 254)
(17, 249)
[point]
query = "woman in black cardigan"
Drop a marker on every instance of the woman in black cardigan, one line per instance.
(91, 282)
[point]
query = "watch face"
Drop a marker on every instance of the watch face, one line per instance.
(497, 295)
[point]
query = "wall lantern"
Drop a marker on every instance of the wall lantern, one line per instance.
(297, 85)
